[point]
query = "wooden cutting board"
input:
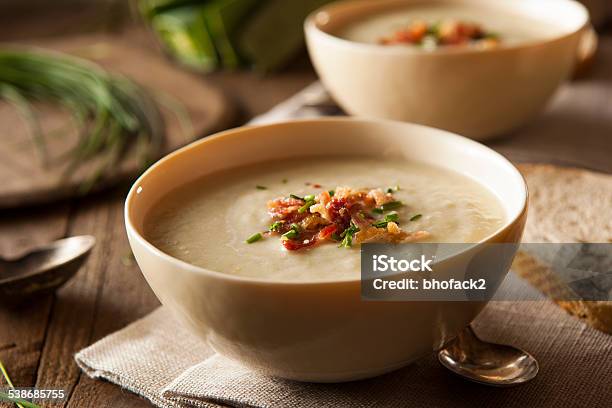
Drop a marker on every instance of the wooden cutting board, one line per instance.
(25, 178)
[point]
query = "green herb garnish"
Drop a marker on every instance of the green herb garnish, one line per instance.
(416, 217)
(393, 189)
(347, 236)
(309, 200)
(377, 210)
(297, 197)
(254, 238)
(261, 187)
(394, 217)
(276, 226)
(293, 232)
(331, 193)
(380, 224)
(391, 205)
(433, 29)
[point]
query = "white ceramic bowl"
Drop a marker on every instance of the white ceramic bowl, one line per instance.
(474, 92)
(314, 331)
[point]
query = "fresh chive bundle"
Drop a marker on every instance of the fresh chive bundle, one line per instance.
(112, 112)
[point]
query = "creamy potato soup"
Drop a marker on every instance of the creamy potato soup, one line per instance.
(304, 219)
(433, 25)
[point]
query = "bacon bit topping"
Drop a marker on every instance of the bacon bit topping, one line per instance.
(343, 215)
(379, 197)
(447, 32)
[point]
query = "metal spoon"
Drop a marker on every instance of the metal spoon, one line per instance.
(487, 363)
(43, 269)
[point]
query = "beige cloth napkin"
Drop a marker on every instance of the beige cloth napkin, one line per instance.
(157, 358)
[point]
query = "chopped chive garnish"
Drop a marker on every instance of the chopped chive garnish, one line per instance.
(393, 189)
(254, 238)
(380, 224)
(331, 193)
(261, 187)
(336, 237)
(348, 233)
(276, 226)
(393, 217)
(391, 205)
(293, 232)
(416, 217)
(309, 201)
(297, 197)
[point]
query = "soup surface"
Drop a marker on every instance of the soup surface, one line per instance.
(507, 28)
(207, 222)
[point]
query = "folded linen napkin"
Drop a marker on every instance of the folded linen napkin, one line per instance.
(158, 359)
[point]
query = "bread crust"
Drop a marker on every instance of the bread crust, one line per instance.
(566, 205)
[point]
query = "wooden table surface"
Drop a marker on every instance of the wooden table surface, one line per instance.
(39, 339)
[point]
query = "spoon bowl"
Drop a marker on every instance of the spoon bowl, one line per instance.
(487, 363)
(44, 269)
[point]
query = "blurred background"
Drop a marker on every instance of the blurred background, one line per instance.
(205, 65)
(205, 35)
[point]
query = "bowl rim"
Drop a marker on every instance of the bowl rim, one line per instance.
(311, 27)
(133, 233)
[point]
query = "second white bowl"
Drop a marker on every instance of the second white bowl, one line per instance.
(475, 92)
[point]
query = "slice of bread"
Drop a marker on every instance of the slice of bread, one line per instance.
(566, 205)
